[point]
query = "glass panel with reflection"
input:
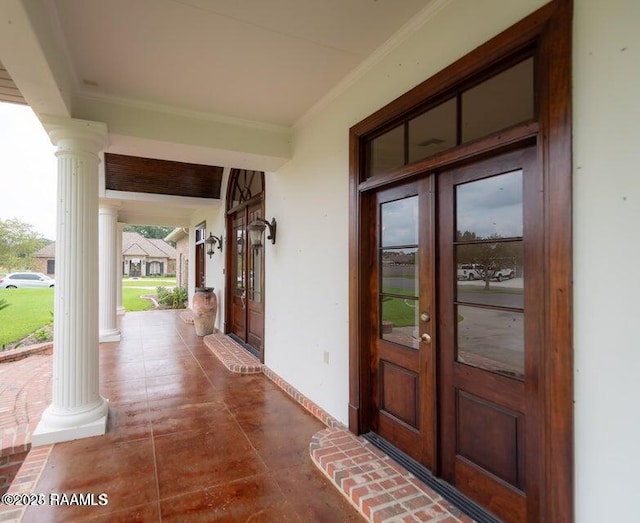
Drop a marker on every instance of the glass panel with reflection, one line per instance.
(255, 275)
(499, 102)
(399, 222)
(387, 151)
(239, 268)
(490, 339)
(400, 271)
(491, 274)
(490, 208)
(399, 320)
(433, 131)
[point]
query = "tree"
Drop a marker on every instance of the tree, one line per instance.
(487, 254)
(18, 241)
(149, 231)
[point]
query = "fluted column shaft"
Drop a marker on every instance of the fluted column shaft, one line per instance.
(119, 307)
(108, 259)
(77, 409)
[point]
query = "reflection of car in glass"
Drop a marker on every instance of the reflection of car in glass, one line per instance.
(470, 271)
(21, 280)
(503, 274)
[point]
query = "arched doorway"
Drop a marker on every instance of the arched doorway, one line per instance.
(245, 274)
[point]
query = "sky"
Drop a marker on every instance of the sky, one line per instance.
(28, 170)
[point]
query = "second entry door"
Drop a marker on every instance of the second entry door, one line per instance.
(247, 282)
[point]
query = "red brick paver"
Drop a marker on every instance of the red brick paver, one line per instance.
(25, 391)
(377, 486)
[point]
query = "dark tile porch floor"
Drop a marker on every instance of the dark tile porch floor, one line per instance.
(188, 440)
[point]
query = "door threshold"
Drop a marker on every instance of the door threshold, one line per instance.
(244, 345)
(447, 491)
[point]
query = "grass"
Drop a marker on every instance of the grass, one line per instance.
(31, 309)
(131, 300)
(148, 282)
(28, 310)
(401, 312)
(133, 289)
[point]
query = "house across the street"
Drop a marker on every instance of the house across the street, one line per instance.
(140, 257)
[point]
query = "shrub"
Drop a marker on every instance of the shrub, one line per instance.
(172, 299)
(41, 335)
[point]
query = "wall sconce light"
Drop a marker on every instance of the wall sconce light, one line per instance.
(256, 229)
(211, 243)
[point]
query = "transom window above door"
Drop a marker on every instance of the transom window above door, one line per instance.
(475, 110)
(244, 185)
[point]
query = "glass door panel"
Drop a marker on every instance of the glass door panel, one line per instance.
(399, 274)
(489, 271)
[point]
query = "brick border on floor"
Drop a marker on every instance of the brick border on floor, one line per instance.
(377, 486)
(382, 490)
(237, 359)
(23, 352)
(25, 481)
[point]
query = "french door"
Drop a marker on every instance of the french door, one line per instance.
(246, 281)
(455, 361)
(403, 360)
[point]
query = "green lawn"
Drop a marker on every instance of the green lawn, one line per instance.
(31, 309)
(131, 300)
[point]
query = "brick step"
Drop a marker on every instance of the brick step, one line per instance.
(381, 489)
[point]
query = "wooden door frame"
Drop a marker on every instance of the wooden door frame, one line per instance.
(230, 236)
(200, 261)
(549, 30)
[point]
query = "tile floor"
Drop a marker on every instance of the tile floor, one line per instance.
(189, 441)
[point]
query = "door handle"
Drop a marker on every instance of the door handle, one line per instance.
(244, 293)
(426, 338)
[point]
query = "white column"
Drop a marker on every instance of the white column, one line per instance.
(108, 259)
(77, 410)
(119, 307)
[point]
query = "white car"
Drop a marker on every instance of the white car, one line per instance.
(503, 274)
(21, 280)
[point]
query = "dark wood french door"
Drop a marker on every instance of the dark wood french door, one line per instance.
(246, 281)
(403, 362)
(455, 361)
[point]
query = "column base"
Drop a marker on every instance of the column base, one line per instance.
(120, 311)
(47, 433)
(110, 335)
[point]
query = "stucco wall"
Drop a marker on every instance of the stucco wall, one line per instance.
(307, 270)
(182, 261)
(606, 146)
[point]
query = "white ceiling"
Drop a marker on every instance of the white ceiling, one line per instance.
(217, 82)
(260, 60)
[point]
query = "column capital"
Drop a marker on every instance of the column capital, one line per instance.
(74, 135)
(108, 208)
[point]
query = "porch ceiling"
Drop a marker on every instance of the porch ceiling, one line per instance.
(215, 82)
(267, 61)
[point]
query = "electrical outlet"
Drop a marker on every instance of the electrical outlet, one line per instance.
(325, 357)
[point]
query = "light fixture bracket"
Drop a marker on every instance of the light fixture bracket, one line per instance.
(211, 242)
(256, 229)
